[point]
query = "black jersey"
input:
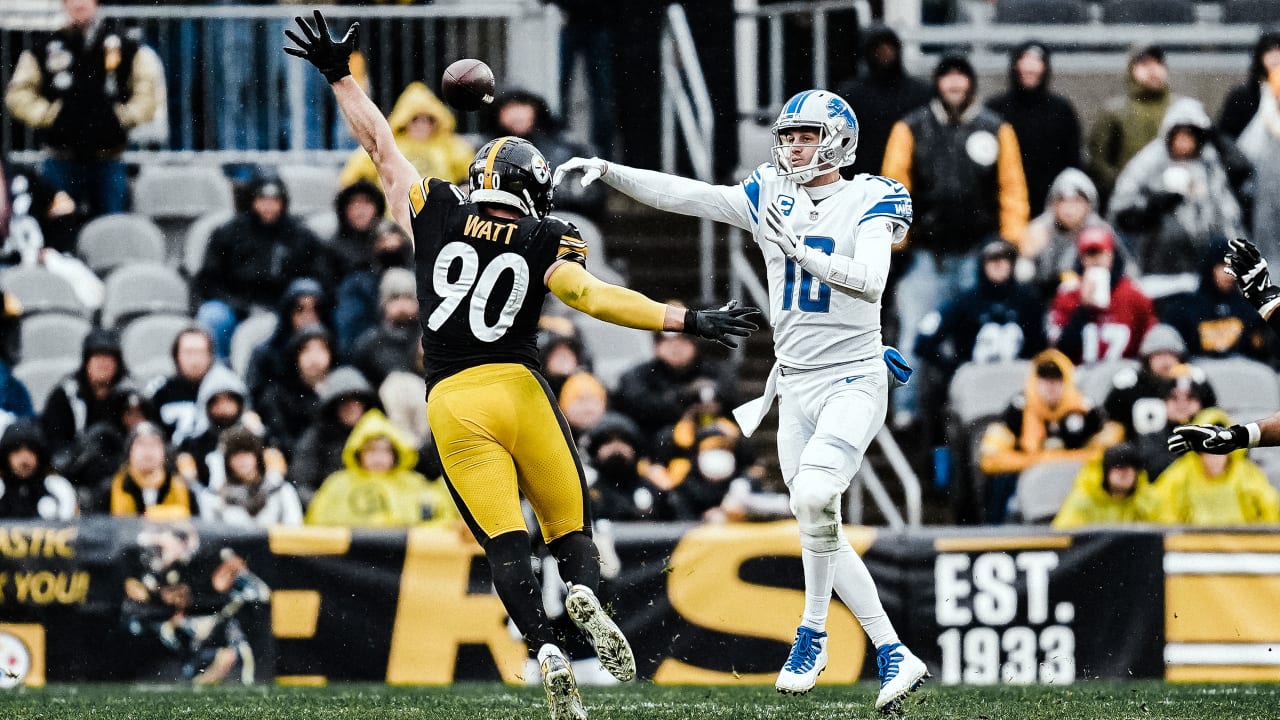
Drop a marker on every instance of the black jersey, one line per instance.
(480, 279)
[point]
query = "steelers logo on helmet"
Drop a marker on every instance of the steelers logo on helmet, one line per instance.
(831, 118)
(512, 172)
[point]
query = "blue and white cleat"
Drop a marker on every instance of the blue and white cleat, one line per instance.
(606, 637)
(901, 673)
(807, 660)
(562, 689)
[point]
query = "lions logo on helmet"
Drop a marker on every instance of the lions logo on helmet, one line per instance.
(511, 171)
(832, 118)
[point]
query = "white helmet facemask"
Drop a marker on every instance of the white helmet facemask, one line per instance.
(837, 127)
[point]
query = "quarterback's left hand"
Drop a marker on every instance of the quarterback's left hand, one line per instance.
(592, 170)
(1212, 439)
(776, 229)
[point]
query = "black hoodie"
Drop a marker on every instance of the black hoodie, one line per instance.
(269, 362)
(879, 99)
(352, 247)
(71, 407)
(289, 405)
(42, 494)
(1047, 127)
(1242, 102)
(1214, 323)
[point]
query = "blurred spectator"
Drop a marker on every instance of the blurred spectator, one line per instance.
(396, 343)
(1241, 104)
(82, 88)
(881, 97)
(656, 393)
(1136, 397)
(356, 303)
(1049, 250)
(718, 486)
(248, 492)
(1110, 490)
(146, 485)
(583, 401)
(1128, 122)
(1049, 420)
(1216, 320)
(1100, 314)
(289, 405)
(425, 131)
(962, 166)
(33, 215)
(561, 356)
(360, 208)
(619, 490)
(80, 399)
(222, 402)
(15, 400)
(175, 396)
(378, 487)
(345, 397)
(99, 450)
(29, 488)
(1260, 143)
(1216, 490)
(1046, 124)
(303, 304)
(402, 396)
(1175, 198)
(587, 33)
(1185, 396)
(251, 260)
(526, 115)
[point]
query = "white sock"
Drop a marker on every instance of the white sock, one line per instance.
(819, 574)
(858, 591)
(548, 649)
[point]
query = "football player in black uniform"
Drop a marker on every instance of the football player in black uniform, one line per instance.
(485, 262)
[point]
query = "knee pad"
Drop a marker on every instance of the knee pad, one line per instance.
(815, 500)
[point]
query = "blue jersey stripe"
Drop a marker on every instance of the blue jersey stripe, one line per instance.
(751, 186)
(891, 216)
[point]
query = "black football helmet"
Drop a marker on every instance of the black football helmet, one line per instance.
(511, 171)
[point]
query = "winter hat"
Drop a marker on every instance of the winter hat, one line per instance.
(1162, 338)
(397, 282)
(1122, 455)
(999, 249)
(959, 63)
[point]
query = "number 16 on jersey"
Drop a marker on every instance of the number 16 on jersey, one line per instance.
(815, 295)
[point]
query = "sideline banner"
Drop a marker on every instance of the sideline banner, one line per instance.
(126, 600)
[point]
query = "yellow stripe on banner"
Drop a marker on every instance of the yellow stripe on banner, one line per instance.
(286, 540)
(1222, 542)
(1222, 673)
(1221, 609)
(487, 181)
(302, 680)
(982, 544)
(294, 613)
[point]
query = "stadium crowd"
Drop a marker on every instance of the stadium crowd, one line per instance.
(1095, 254)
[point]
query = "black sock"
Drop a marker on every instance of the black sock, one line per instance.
(509, 563)
(578, 558)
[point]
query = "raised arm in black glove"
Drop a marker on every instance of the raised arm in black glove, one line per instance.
(720, 325)
(330, 58)
(1212, 439)
(1250, 268)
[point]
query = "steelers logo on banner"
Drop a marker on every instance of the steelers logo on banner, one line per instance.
(982, 148)
(15, 661)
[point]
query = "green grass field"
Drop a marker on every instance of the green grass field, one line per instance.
(1087, 701)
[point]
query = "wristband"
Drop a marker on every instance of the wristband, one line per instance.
(1255, 434)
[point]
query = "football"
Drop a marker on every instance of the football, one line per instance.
(467, 84)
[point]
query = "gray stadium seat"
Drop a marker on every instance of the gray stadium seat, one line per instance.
(1245, 12)
(324, 224)
(1246, 389)
(980, 390)
(311, 189)
(197, 239)
(41, 291)
(42, 376)
(1149, 12)
(151, 337)
(248, 335)
(135, 290)
(181, 191)
(149, 370)
(1094, 381)
(110, 241)
(1043, 487)
(52, 335)
(1041, 12)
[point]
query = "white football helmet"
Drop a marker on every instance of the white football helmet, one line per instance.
(837, 127)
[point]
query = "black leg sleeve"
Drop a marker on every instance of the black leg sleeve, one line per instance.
(509, 562)
(578, 558)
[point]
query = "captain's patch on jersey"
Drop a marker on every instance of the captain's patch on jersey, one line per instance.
(417, 198)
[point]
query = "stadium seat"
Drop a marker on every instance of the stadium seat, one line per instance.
(151, 337)
(42, 376)
(1094, 381)
(1043, 487)
(196, 240)
(1268, 458)
(1149, 12)
(110, 241)
(146, 372)
(181, 191)
(1041, 12)
(1245, 12)
(248, 335)
(52, 335)
(41, 291)
(311, 189)
(1246, 389)
(981, 390)
(323, 224)
(135, 290)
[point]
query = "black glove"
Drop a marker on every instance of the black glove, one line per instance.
(1212, 439)
(1247, 264)
(1163, 202)
(330, 58)
(719, 325)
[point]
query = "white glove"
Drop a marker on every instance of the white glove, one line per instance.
(592, 169)
(777, 230)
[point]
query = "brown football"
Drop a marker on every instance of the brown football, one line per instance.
(467, 84)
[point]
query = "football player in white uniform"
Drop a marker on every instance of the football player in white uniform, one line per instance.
(826, 243)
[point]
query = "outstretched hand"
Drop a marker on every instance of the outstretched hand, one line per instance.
(722, 325)
(592, 169)
(1212, 439)
(1250, 268)
(318, 47)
